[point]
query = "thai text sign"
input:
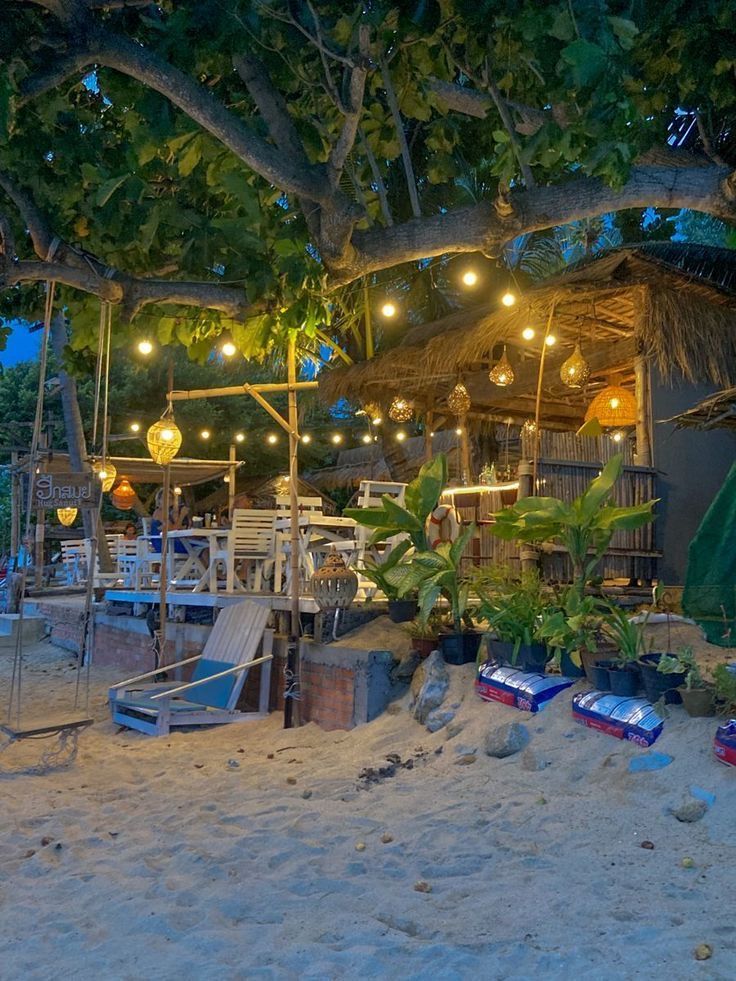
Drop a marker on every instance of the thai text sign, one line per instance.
(66, 490)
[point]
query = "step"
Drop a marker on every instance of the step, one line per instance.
(34, 629)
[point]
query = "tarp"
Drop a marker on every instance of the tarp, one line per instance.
(184, 472)
(709, 596)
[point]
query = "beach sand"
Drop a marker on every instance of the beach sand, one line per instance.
(158, 858)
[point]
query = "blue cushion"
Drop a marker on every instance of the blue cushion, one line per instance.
(216, 693)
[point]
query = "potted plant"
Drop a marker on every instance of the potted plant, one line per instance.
(662, 675)
(571, 629)
(698, 697)
(425, 636)
(628, 637)
(514, 609)
(724, 680)
(401, 607)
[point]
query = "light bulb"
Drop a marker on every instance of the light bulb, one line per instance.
(205, 434)
(336, 438)
(470, 277)
(550, 340)
(431, 435)
(226, 479)
(177, 491)
(240, 437)
(401, 436)
(135, 427)
(228, 349)
(614, 402)
(167, 435)
(377, 421)
(388, 309)
(458, 431)
(508, 299)
(306, 438)
(367, 438)
(102, 474)
(528, 333)
(145, 347)
(272, 438)
(617, 436)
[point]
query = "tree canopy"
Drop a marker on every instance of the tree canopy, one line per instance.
(254, 165)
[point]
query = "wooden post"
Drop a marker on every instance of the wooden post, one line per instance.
(428, 449)
(291, 703)
(231, 483)
(16, 506)
(538, 404)
(38, 556)
(164, 573)
(643, 455)
(465, 476)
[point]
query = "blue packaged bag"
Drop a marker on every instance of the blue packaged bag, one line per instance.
(528, 692)
(633, 719)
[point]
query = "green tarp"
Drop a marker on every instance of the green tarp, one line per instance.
(709, 596)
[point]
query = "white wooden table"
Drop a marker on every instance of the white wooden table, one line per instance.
(196, 569)
(317, 533)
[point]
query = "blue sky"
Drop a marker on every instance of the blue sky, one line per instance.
(21, 345)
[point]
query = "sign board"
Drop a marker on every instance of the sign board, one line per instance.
(66, 490)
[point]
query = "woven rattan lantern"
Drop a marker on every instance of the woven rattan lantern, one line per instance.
(106, 473)
(575, 371)
(67, 516)
(123, 496)
(502, 374)
(614, 408)
(334, 585)
(164, 439)
(401, 409)
(458, 401)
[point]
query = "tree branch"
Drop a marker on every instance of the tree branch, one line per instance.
(378, 179)
(705, 139)
(40, 233)
(393, 106)
(356, 91)
(508, 123)
(270, 104)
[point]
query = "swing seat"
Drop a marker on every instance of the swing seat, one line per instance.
(211, 697)
(60, 755)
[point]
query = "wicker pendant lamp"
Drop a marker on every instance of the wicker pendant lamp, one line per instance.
(106, 473)
(164, 439)
(502, 374)
(614, 408)
(67, 516)
(401, 409)
(123, 496)
(458, 401)
(575, 372)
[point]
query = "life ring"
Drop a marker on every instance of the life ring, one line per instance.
(443, 525)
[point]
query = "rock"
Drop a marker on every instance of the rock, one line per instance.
(649, 845)
(360, 846)
(703, 952)
(406, 667)
(454, 729)
(306, 794)
(233, 764)
(291, 780)
(465, 760)
(687, 862)
(507, 739)
(438, 718)
(690, 810)
(429, 686)
(386, 838)
(422, 885)
(532, 761)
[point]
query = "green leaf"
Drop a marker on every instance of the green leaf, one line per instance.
(106, 190)
(586, 60)
(600, 488)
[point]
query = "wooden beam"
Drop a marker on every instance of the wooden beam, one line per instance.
(244, 389)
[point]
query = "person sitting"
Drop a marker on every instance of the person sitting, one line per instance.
(131, 532)
(178, 519)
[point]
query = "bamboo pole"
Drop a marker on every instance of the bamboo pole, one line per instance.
(538, 403)
(245, 389)
(16, 506)
(428, 424)
(643, 457)
(291, 705)
(231, 482)
(164, 572)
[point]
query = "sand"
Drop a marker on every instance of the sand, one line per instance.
(162, 860)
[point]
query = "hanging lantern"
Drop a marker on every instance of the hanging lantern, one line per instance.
(105, 472)
(401, 410)
(529, 429)
(373, 411)
(614, 408)
(164, 439)
(334, 585)
(458, 401)
(123, 496)
(502, 374)
(575, 371)
(66, 516)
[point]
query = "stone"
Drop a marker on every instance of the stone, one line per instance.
(465, 760)
(422, 885)
(406, 667)
(532, 761)
(454, 729)
(703, 952)
(360, 846)
(429, 686)
(439, 718)
(386, 838)
(690, 810)
(506, 740)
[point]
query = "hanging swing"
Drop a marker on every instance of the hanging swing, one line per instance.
(64, 751)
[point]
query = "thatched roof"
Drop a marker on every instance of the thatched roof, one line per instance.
(717, 411)
(675, 303)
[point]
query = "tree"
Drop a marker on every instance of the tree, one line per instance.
(221, 165)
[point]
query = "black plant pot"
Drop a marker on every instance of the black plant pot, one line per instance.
(460, 648)
(602, 675)
(656, 684)
(532, 658)
(569, 668)
(401, 611)
(625, 681)
(500, 651)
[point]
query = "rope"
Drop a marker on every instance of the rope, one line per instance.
(61, 755)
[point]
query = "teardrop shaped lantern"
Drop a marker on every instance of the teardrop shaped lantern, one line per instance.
(334, 585)
(614, 408)
(123, 496)
(67, 516)
(401, 409)
(575, 371)
(458, 401)
(502, 374)
(105, 472)
(164, 439)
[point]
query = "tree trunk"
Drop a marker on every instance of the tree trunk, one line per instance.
(75, 440)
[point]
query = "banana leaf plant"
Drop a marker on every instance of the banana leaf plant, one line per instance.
(378, 572)
(435, 573)
(420, 500)
(584, 527)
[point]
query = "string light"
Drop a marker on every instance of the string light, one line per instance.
(459, 431)
(550, 340)
(306, 438)
(470, 277)
(135, 427)
(226, 479)
(502, 374)
(367, 438)
(528, 333)
(618, 436)
(228, 349)
(508, 299)
(336, 438)
(388, 309)
(240, 437)
(401, 436)
(145, 347)
(177, 491)
(272, 438)
(205, 434)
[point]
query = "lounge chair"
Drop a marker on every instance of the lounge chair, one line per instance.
(212, 695)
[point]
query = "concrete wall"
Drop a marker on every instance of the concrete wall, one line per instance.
(692, 466)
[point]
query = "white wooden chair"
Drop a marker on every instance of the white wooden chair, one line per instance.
(74, 558)
(312, 504)
(370, 495)
(134, 562)
(211, 697)
(250, 543)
